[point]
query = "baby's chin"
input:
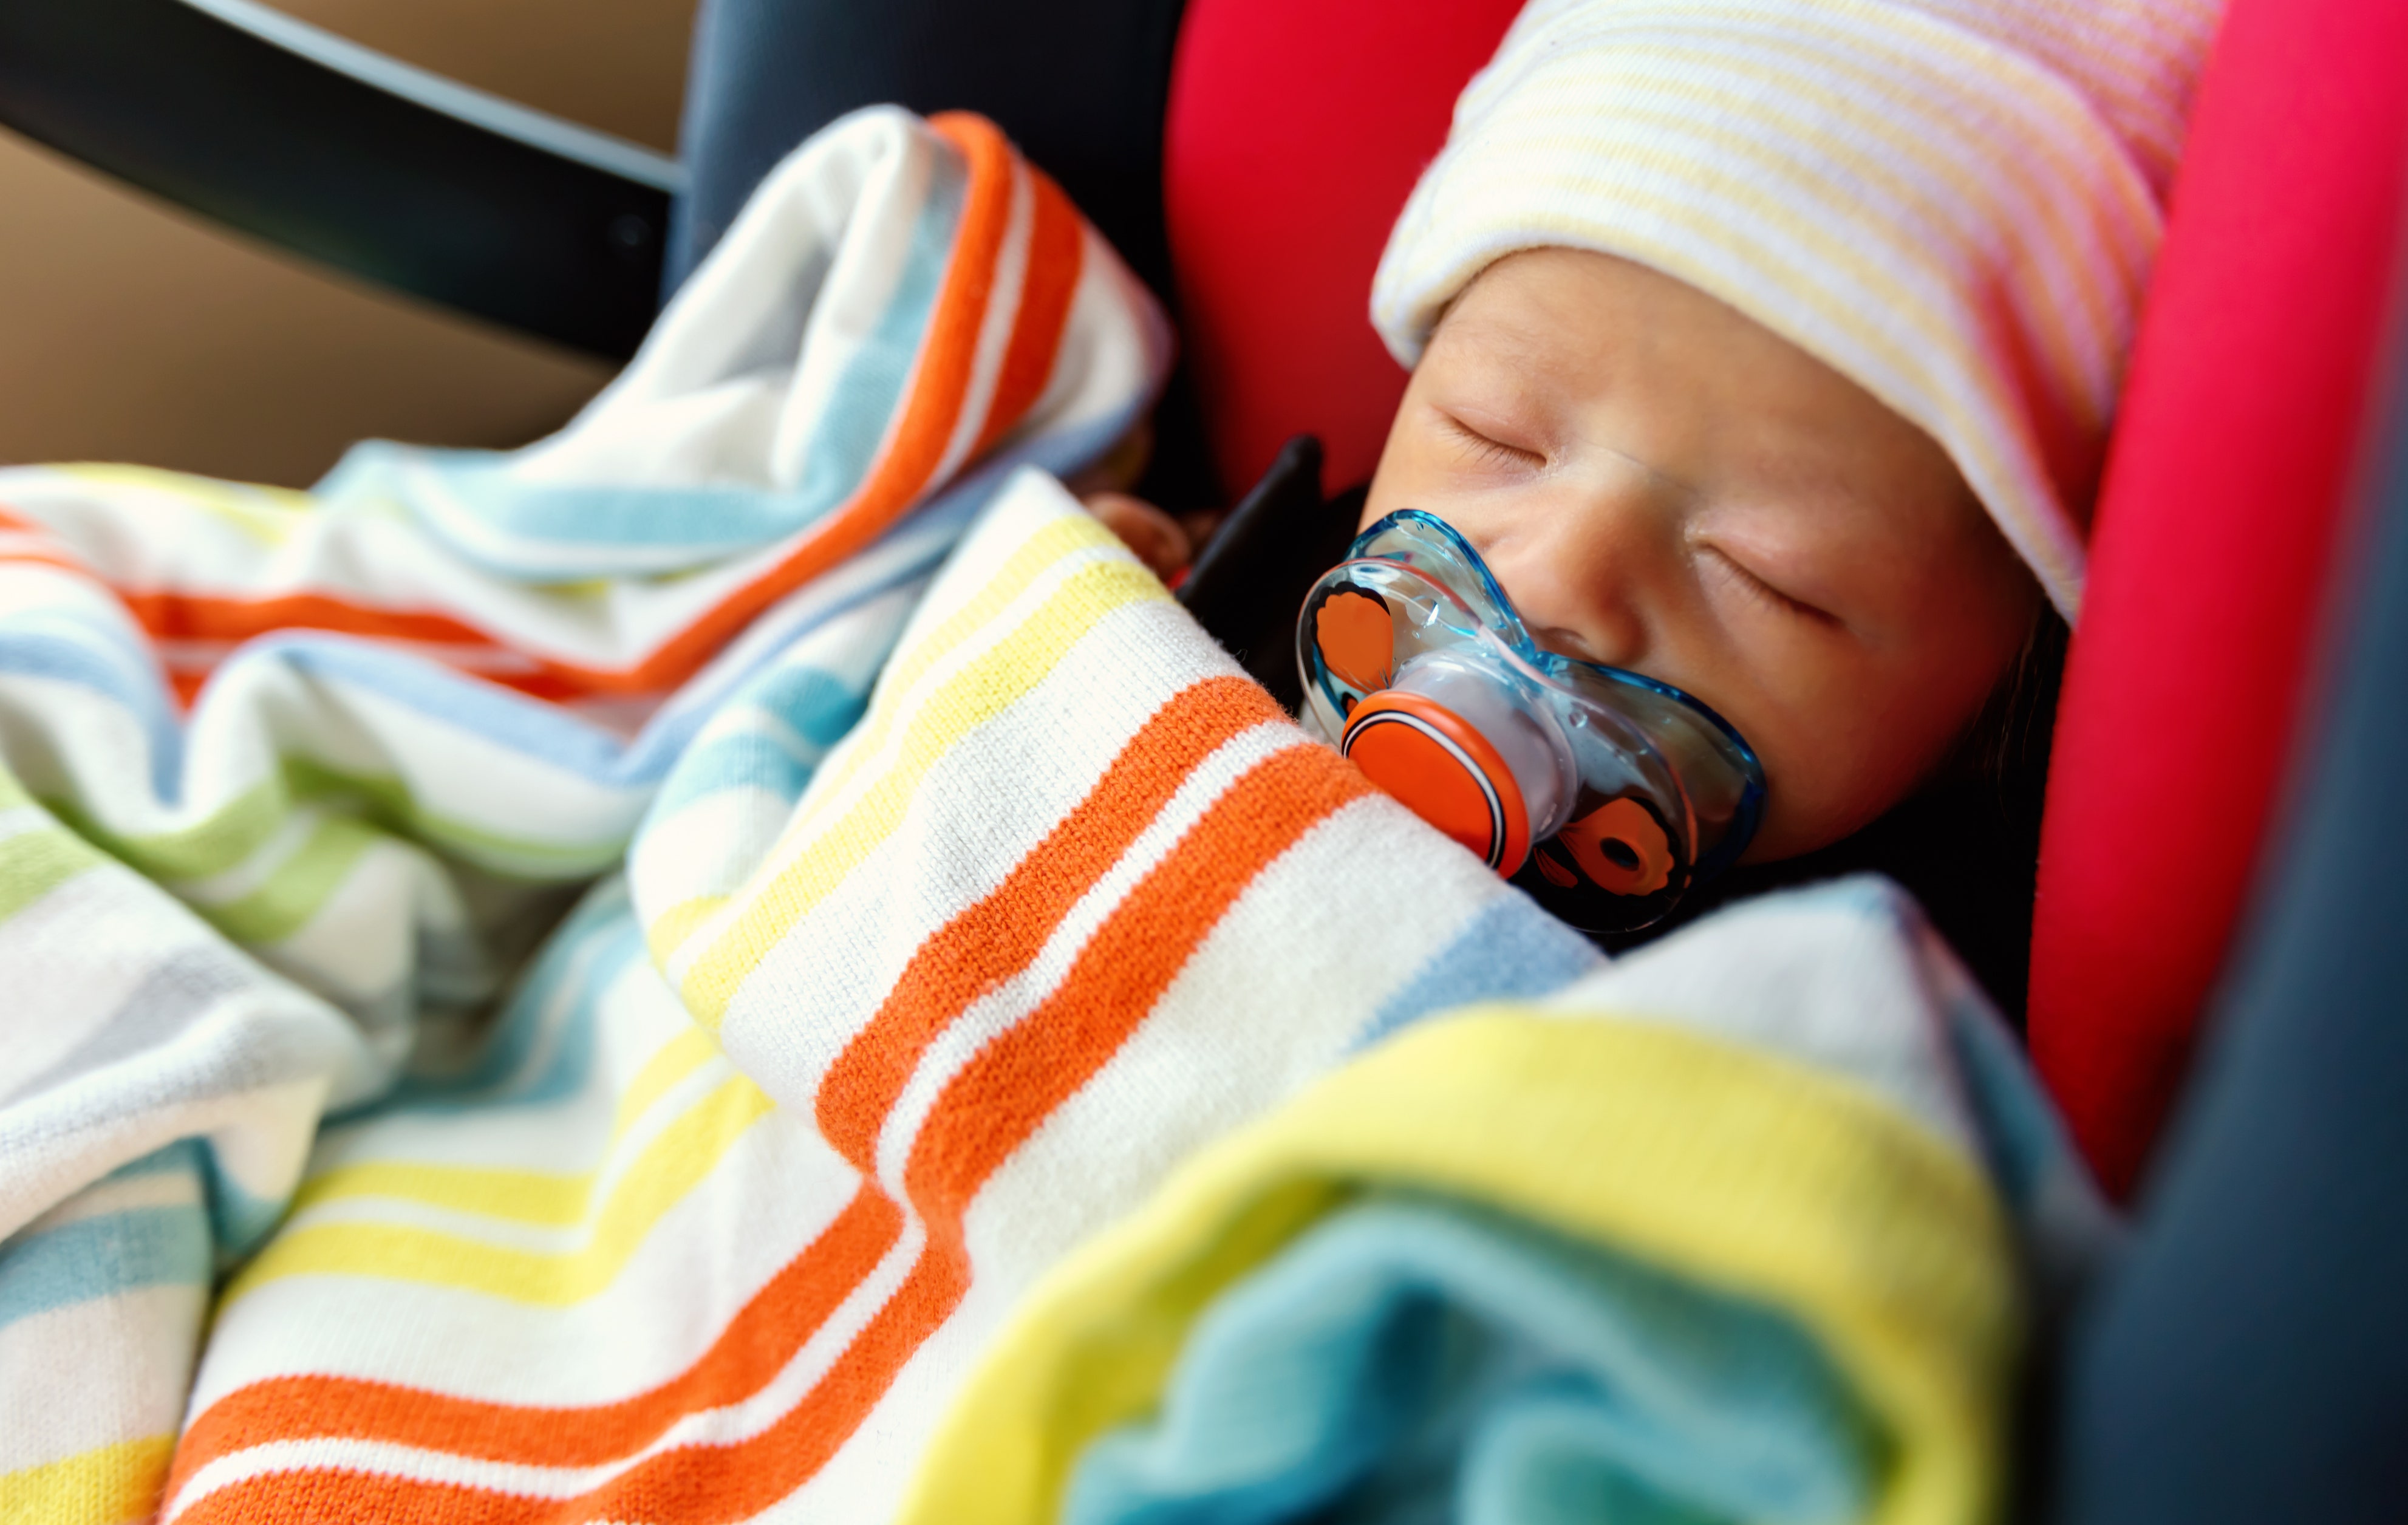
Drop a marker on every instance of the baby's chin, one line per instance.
(1778, 842)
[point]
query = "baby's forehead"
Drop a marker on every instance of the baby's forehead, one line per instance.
(1523, 322)
(1490, 330)
(1553, 292)
(1578, 323)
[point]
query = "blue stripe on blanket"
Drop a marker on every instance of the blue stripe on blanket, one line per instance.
(238, 1220)
(101, 1257)
(175, 1156)
(819, 706)
(755, 760)
(1511, 950)
(152, 1246)
(542, 1047)
(85, 652)
(846, 437)
(543, 731)
(683, 526)
(571, 531)
(812, 707)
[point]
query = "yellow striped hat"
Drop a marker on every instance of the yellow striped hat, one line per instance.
(1955, 203)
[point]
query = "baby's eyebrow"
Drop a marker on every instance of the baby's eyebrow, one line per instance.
(1484, 333)
(1804, 473)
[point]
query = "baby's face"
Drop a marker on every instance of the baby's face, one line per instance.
(1663, 484)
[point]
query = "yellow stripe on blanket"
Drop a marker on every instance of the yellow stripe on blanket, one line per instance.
(671, 1166)
(542, 1199)
(267, 515)
(1047, 548)
(983, 689)
(1057, 542)
(1749, 1174)
(99, 1486)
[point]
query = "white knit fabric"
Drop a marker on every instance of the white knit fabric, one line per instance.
(1956, 202)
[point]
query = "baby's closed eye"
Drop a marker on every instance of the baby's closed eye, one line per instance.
(1753, 585)
(1486, 448)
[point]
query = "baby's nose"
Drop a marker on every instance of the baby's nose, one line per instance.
(1581, 577)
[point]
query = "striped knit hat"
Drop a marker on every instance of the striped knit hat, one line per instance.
(1955, 203)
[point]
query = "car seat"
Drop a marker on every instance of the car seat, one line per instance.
(2250, 1360)
(1249, 154)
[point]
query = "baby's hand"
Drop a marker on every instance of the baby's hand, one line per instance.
(1155, 536)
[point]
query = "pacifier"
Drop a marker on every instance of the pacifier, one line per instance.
(1605, 793)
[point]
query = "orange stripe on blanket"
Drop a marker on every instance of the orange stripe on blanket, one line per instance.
(989, 1111)
(1002, 932)
(1057, 252)
(1144, 775)
(1012, 1084)
(983, 1116)
(189, 616)
(908, 460)
(933, 400)
(755, 1346)
(55, 560)
(180, 615)
(204, 618)
(941, 381)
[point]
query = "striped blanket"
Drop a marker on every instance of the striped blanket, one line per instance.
(724, 965)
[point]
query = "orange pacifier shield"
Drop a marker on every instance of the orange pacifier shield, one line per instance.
(1442, 769)
(1622, 847)
(1356, 637)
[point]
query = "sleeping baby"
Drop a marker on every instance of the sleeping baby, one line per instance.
(1767, 352)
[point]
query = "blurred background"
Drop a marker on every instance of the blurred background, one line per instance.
(132, 331)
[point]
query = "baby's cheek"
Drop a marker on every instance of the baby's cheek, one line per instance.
(1837, 750)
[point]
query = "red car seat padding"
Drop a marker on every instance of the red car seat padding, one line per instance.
(1296, 130)
(2233, 457)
